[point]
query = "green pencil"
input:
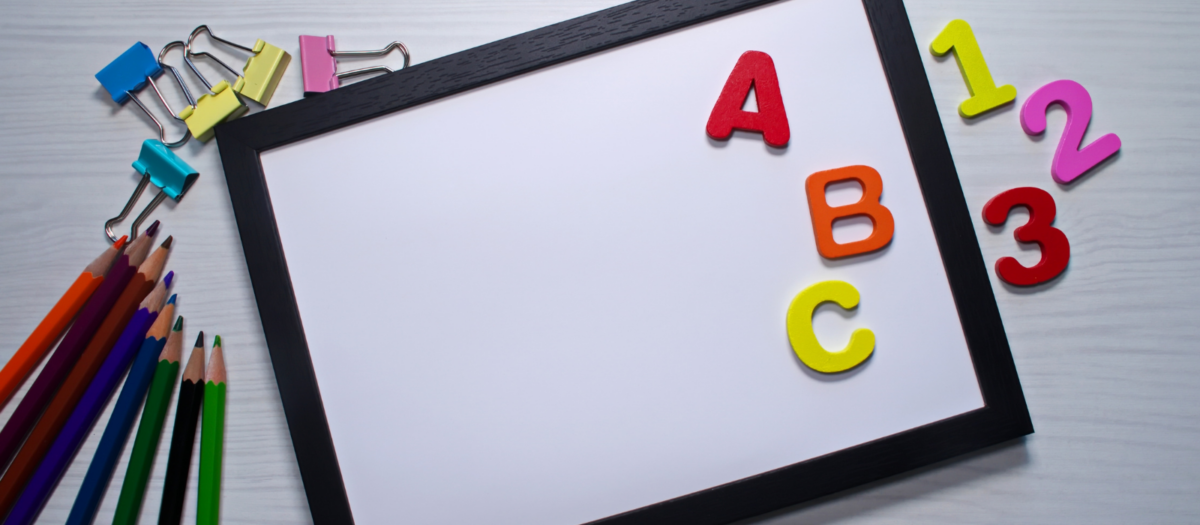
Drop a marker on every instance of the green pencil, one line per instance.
(145, 445)
(212, 439)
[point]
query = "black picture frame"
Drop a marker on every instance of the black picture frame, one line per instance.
(1004, 415)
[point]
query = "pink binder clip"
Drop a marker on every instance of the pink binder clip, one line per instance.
(318, 62)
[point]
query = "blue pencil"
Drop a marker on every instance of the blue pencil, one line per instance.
(99, 391)
(120, 423)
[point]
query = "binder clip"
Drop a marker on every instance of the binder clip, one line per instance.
(130, 72)
(318, 62)
(262, 72)
(158, 165)
(220, 104)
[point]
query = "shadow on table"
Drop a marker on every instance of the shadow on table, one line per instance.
(917, 484)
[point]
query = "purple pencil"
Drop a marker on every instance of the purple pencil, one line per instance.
(42, 484)
(59, 365)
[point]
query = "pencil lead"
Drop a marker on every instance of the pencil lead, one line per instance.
(178, 321)
(217, 341)
(167, 282)
(172, 299)
(199, 340)
(167, 243)
(120, 242)
(153, 229)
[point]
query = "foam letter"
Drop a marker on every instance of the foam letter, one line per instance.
(756, 70)
(823, 215)
(804, 340)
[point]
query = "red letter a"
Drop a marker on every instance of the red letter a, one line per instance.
(754, 69)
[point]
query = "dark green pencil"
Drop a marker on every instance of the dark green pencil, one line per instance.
(154, 415)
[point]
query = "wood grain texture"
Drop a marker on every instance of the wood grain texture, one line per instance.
(1105, 351)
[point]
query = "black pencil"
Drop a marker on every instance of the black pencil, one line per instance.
(183, 437)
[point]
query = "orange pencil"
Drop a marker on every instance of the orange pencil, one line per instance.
(52, 326)
(52, 420)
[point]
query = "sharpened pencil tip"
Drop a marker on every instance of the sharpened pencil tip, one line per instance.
(172, 299)
(120, 242)
(178, 321)
(217, 341)
(167, 282)
(167, 243)
(200, 340)
(153, 229)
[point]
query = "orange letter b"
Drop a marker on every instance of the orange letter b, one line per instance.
(823, 215)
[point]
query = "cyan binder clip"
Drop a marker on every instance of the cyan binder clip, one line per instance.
(130, 72)
(262, 72)
(318, 62)
(158, 165)
(220, 104)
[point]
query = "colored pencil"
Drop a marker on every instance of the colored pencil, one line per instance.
(212, 439)
(90, 320)
(120, 423)
(125, 324)
(39, 342)
(145, 444)
(41, 485)
(183, 437)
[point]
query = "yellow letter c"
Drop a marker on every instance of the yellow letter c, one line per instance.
(804, 340)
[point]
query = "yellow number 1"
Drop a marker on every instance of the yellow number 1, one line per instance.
(985, 96)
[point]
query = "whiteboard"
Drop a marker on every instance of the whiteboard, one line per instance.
(559, 300)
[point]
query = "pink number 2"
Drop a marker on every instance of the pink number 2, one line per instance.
(1070, 160)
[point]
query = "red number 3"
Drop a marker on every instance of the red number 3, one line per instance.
(1056, 251)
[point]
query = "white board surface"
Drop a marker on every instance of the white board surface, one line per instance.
(559, 300)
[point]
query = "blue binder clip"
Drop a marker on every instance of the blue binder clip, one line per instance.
(161, 166)
(129, 72)
(135, 68)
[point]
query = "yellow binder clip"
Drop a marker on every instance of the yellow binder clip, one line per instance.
(262, 72)
(220, 104)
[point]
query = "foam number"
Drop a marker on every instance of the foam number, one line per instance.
(824, 215)
(804, 340)
(1056, 250)
(1070, 159)
(985, 96)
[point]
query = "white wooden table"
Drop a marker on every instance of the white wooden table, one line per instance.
(1107, 354)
